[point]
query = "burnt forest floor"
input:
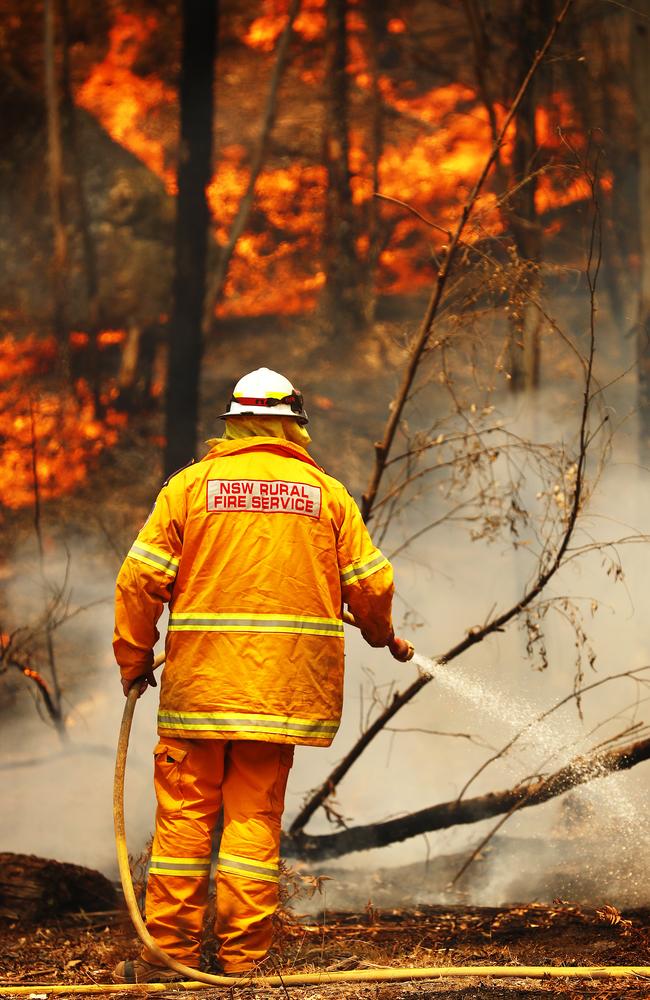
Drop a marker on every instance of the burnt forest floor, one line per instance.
(83, 948)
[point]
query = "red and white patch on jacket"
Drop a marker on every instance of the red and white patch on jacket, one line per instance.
(262, 496)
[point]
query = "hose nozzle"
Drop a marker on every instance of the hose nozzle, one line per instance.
(401, 649)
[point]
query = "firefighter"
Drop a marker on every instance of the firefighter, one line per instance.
(255, 549)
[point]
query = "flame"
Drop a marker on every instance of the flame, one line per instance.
(33, 675)
(104, 339)
(59, 429)
(108, 338)
(264, 31)
(130, 106)
(276, 267)
(431, 162)
(265, 275)
(38, 678)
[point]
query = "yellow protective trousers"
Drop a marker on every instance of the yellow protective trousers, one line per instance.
(193, 778)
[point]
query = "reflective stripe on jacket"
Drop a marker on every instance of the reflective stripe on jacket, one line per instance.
(256, 549)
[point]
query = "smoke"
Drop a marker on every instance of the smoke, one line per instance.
(494, 690)
(58, 796)
(589, 845)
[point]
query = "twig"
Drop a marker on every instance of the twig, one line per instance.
(54, 701)
(441, 732)
(448, 516)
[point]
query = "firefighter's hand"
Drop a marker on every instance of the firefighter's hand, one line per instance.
(401, 649)
(147, 680)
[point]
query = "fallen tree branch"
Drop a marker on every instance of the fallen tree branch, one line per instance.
(579, 771)
(480, 847)
(41, 687)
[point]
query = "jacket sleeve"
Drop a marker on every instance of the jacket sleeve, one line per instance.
(144, 585)
(366, 578)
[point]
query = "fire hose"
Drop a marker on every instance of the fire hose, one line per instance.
(197, 980)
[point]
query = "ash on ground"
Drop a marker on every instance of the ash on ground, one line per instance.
(508, 871)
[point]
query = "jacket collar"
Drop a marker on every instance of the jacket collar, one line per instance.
(277, 446)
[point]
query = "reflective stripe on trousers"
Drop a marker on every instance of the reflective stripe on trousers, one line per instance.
(192, 779)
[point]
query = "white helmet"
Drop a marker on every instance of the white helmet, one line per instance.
(269, 393)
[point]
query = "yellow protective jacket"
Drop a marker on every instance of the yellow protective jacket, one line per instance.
(256, 549)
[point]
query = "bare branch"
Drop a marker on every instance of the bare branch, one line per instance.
(53, 699)
(550, 561)
(470, 737)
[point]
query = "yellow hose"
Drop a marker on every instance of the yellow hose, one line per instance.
(197, 980)
(356, 975)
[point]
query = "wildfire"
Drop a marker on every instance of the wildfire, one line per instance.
(431, 161)
(57, 434)
(276, 267)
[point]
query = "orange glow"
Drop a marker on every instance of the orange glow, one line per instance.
(62, 427)
(107, 338)
(556, 118)
(35, 676)
(437, 142)
(264, 31)
(310, 22)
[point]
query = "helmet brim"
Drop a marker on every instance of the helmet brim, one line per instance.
(302, 418)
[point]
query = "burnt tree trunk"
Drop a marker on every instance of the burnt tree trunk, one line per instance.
(200, 25)
(343, 298)
(76, 165)
(55, 180)
(34, 889)
(612, 76)
(641, 82)
(376, 16)
(525, 323)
